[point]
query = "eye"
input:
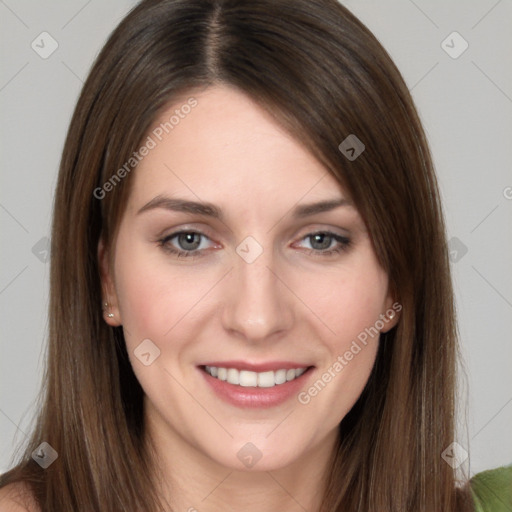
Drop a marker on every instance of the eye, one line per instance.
(189, 243)
(186, 244)
(326, 243)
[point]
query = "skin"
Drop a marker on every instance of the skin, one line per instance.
(288, 304)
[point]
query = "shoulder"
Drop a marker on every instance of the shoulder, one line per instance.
(16, 497)
(492, 490)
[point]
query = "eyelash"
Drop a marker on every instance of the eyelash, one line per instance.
(343, 242)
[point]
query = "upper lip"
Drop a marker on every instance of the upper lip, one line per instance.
(257, 367)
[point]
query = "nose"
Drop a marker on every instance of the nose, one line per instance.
(257, 304)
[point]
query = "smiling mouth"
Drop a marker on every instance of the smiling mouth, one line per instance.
(247, 378)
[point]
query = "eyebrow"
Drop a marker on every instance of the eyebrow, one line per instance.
(210, 210)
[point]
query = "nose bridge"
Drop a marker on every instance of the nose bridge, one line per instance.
(256, 305)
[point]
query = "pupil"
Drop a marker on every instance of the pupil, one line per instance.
(325, 241)
(187, 238)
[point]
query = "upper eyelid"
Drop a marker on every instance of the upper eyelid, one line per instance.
(317, 226)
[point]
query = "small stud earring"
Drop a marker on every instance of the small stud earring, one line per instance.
(110, 315)
(391, 315)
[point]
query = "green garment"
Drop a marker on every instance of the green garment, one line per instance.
(492, 490)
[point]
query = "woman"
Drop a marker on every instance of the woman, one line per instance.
(300, 353)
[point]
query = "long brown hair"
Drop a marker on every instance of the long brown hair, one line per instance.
(323, 76)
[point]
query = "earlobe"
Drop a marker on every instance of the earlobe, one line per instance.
(109, 303)
(392, 314)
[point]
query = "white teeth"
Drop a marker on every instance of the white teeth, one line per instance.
(233, 376)
(247, 378)
(280, 377)
(266, 379)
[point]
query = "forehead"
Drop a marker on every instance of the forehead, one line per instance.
(227, 149)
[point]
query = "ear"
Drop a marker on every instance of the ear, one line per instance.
(111, 313)
(391, 313)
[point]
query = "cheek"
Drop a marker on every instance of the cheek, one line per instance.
(347, 302)
(152, 297)
(137, 299)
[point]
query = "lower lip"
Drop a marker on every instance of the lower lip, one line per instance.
(255, 397)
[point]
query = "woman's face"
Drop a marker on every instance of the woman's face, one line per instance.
(250, 285)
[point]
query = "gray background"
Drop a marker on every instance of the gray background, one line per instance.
(465, 104)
